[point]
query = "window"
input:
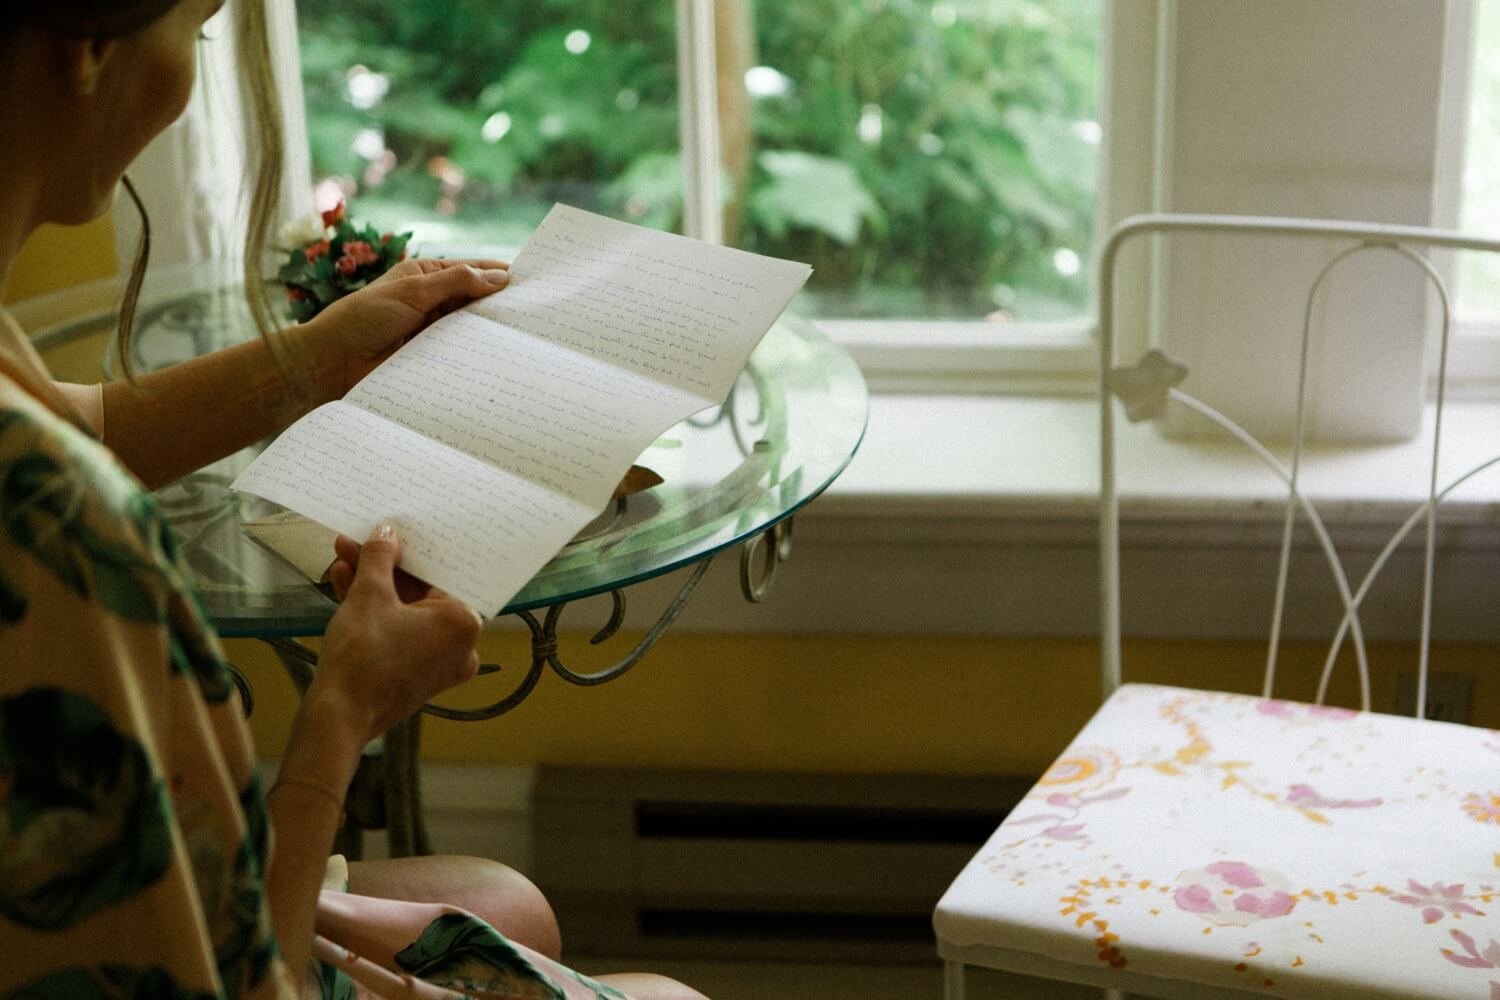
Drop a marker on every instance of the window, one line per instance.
(1474, 85)
(933, 159)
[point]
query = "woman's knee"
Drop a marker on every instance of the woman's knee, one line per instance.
(496, 893)
(649, 986)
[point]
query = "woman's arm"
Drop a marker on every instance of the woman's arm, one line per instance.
(181, 418)
(383, 657)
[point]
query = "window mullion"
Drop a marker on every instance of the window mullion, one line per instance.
(699, 122)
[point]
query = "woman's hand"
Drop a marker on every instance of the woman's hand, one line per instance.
(356, 333)
(395, 643)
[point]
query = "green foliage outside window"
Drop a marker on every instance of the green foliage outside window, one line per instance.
(927, 158)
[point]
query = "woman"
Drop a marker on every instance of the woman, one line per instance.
(134, 838)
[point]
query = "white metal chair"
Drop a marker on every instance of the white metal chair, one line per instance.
(1207, 845)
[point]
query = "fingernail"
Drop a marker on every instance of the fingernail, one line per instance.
(478, 618)
(497, 277)
(384, 531)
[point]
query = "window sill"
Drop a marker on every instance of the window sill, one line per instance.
(977, 515)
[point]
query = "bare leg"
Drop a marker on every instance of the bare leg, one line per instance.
(644, 986)
(501, 896)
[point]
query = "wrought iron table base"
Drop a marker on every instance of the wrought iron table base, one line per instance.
(386, 792)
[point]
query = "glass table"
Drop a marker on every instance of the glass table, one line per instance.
(733, 477)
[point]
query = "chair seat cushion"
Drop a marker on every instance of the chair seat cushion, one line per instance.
(1250, 845)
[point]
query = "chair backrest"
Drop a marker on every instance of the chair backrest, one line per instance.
(1145, 388)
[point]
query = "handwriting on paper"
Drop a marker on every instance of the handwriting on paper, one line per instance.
(503, 428)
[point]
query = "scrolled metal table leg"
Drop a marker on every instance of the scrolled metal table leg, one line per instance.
(394, 798)
(770, 549)
(401, 771)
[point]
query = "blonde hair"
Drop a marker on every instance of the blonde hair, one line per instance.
(266, 140)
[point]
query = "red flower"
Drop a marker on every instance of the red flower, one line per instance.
(334, 215)
(295, 294)
(347, 265)
(386, 237)
(361, 251)
(315, 251)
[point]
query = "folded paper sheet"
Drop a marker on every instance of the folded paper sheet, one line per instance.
(497, 433)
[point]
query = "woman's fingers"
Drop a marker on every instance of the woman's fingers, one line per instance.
(451, 287)
(341, 577)
(346, 565)
(346, 549)
(375, 575)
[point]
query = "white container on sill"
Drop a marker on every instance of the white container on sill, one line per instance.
(1232, 309)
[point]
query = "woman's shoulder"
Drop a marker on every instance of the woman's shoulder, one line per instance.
(68, 506)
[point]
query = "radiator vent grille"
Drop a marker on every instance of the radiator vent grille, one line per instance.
(846, 824)
(656, 864)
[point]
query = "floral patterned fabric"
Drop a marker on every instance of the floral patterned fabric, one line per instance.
(134, 835)
(1253, 845)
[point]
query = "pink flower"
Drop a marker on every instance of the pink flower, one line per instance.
(315, 251)
(334, 215)
(1310, 798)
(1275, 904)
(1296, 711)
(1436, 900)
(1474, 959)
(1219, 893)
(1331, 711)
(347, 265)
(361, 251)
(1482, 808)
(295, 294)
(1279, 709)
(1236, 873)
(1195, 899)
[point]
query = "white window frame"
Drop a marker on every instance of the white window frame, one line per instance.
(944, 356)
(913, 355)
(1135, 107)
(1474, 354)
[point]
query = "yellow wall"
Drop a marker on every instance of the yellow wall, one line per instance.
(842, 703)
(58, 256)
(802, 702)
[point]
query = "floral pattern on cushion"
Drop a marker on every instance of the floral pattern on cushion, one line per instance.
(1259, 845)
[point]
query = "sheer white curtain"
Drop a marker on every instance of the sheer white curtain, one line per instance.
(193, 177)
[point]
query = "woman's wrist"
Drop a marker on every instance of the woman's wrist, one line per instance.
(316, 355)
(328, 736)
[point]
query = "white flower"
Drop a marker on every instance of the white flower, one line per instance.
(300, 232)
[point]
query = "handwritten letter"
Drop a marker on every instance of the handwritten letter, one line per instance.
(497, 433)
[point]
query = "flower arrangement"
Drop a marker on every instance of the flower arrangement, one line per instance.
(328, 257)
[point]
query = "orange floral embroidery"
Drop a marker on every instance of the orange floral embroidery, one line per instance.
(1481, 808)
(1082, 766)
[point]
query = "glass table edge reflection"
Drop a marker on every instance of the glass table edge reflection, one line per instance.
(848, 401)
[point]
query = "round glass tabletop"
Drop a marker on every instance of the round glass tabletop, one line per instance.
(789, 428)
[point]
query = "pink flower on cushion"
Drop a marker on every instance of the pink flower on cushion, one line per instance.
(1195, 899)
(1473, 957)
(1236, 873)
(1234, 894)
(1293, 711)
(347, 265)
(1482, 808)
(1274, 904)
(1310, 798)
(1436, 900)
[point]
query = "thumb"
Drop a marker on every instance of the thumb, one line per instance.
(456, 284)
(376, 571)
